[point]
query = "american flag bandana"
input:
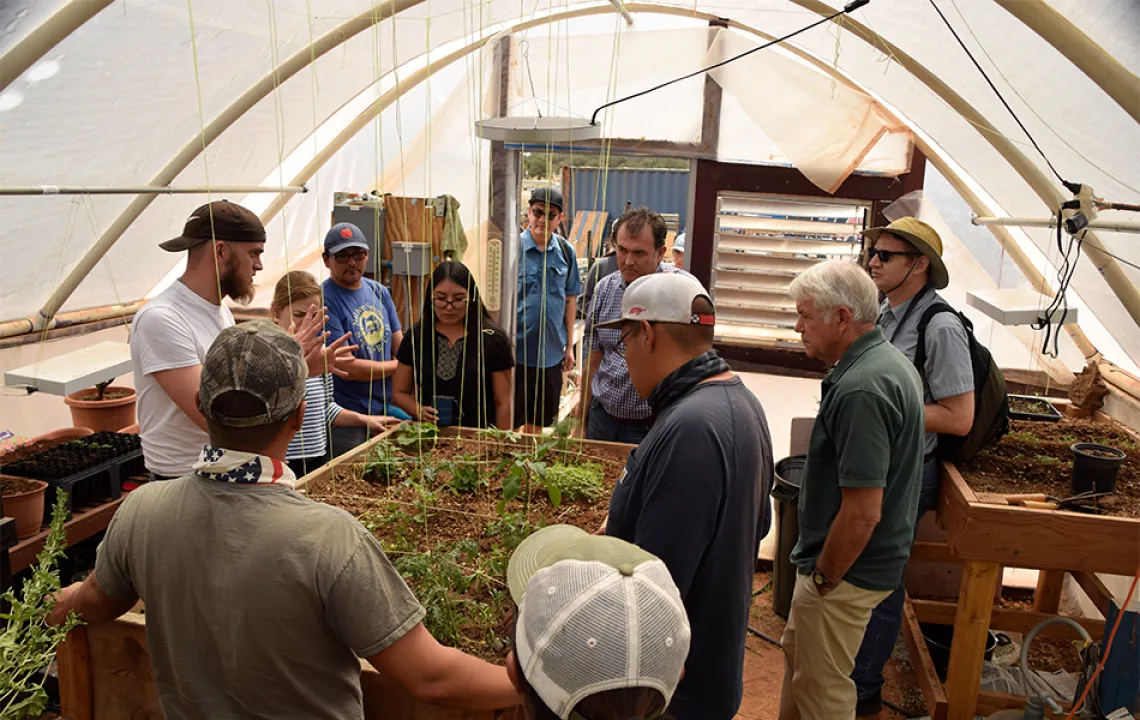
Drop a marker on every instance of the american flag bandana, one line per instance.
(241, 467)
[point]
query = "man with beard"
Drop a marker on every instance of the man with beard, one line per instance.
(171, 334)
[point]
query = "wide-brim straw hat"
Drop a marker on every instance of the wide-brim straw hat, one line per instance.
(924, 238)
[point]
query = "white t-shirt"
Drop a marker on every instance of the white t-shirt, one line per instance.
(174, 330)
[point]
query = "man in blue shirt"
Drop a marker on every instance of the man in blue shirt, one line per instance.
(548, 290)
(363, 307)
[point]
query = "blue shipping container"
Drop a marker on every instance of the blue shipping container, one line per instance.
(664, 191)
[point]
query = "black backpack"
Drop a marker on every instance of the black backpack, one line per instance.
(991, 406)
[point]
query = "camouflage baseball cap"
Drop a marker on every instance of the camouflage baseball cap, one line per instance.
(261, 360)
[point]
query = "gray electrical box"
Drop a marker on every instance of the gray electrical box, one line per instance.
(411, 259)
(369, 217)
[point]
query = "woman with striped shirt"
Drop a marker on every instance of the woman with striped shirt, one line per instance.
(296, 295)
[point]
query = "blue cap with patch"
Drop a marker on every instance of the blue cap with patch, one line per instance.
(343, 236)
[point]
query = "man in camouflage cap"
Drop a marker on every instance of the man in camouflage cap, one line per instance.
(259, 601)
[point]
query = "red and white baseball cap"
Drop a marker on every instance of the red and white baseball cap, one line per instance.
(664, 298)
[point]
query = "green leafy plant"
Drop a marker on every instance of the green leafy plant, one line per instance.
(28, 643)
(573, 482)
(418, 434)
(383, 462)
(466, 475)
(496, 435)
(1047, 460)
(1024, 436)
(440, 581)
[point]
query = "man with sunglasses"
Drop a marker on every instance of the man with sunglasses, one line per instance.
(905, 261)
(694, 492)
(548, 290)
(363, 307)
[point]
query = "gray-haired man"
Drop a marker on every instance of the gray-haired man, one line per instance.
(860, 488)
(260, 601)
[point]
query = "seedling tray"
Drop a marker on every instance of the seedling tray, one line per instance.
(1049, 412)
(90, 469)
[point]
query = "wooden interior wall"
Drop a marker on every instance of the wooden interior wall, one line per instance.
(410, 220)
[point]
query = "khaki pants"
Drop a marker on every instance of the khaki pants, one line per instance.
(820, 642)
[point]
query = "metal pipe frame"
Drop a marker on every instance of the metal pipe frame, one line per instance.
(46, 36)
(38, 190)
(1051, 222)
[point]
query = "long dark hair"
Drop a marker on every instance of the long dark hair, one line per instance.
(477, 318)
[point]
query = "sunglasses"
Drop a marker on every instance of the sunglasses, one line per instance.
(886, 255)
(550, 215)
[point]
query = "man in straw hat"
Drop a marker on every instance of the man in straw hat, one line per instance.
(907, 267)
(259, 601)
(695, 491)
(600, 629)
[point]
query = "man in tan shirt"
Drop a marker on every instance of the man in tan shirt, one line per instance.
(259, 601)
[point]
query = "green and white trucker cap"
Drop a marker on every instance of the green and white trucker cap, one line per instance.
(595, 613)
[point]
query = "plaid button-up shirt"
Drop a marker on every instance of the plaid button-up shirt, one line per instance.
(611, 385)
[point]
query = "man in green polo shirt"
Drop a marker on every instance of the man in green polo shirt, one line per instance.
(860, 488)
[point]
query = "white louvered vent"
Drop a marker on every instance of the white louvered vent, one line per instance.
(762, 243)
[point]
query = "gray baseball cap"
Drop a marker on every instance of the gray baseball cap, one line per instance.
(261, 360)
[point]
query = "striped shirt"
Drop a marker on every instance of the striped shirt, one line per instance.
(320, 411)
(611, 385)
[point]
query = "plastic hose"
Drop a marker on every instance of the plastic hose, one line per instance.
(1030, 680)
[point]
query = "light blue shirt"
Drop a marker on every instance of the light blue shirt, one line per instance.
(546, 279)
(370, 315)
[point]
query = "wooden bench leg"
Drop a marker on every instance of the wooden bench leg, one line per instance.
(1047, 598)
(971, 626)
(76, 694)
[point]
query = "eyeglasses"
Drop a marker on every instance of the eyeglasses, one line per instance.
(624, 335)
(345, 257)
(886, 255)
(442, 302)
(551, 214)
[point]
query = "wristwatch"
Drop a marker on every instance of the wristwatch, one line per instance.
(822, 583)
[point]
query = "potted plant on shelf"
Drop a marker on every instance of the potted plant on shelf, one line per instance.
(28, 644)
(1031, 407)
(103, 407)
(23, 501)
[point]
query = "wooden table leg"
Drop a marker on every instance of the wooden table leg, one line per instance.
(76, 693)
(971, 625)
(1047, 598)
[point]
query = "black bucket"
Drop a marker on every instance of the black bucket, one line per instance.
(786, 493)
(939, 637)
(1095, 468)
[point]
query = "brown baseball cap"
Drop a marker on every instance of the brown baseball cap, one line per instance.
(222, 220)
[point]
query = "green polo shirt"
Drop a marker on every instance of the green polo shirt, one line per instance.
(868, 434)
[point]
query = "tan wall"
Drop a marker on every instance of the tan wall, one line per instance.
(30, 415)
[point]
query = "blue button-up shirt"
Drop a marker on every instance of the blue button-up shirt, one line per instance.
(546, 278)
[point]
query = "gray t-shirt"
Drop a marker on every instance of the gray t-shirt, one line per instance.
(258, 600)
(948, 369)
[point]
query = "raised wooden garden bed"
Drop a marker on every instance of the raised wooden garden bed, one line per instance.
(438, 507)
(985, 537)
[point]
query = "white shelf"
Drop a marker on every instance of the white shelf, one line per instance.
(74, 371)
(1016, 307)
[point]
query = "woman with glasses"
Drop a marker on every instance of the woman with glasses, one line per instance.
(454, 366)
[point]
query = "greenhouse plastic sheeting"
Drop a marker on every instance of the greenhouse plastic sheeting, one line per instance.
(85, 115)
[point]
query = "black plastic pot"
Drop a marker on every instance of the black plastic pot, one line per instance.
(939, 637)
(1095, 468)
(1050, 415)
(786, 493)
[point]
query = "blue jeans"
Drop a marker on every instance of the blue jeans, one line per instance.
(603, 426)
(886, 619)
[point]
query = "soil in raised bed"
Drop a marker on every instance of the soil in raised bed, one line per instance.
(452, 547)
(1034, 457)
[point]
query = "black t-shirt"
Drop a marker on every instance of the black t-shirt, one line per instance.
(462, 371)
(695, 494)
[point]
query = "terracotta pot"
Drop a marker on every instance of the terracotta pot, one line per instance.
(109, 415)
(27, 508)
(63, 434)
